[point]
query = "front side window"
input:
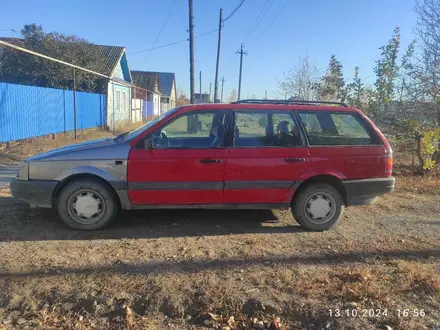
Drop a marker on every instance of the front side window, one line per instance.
(201, 129)
(337, 128)
(265, 129)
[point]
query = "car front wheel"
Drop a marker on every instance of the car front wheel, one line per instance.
(87, 204)
(318, 207)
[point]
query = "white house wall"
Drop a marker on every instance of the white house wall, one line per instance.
(117, 73)
(118, 112)
(173, 96)
(156, 104)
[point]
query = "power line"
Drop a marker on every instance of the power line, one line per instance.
(172, 43)
(191, 55)
(259, 18)
(270, 24)
(234, 11)
(12, 31)
(164, 23)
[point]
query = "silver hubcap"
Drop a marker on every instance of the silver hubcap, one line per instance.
(86, 206)
(320, 207)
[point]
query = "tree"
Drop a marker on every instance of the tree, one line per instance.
(299, 81)
(428, 30)
(386, 71)
(355, 91)
(29, 69)
(406, 88)
(182, 99)
(234, 95)
(331, 85)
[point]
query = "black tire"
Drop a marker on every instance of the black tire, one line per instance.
(303, 201)
(106, 202)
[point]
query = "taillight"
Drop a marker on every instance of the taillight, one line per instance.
(389, 166)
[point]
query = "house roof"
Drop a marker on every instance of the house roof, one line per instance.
(14, 41)
(4, 49)
(109, 55)
(146, 80)
(205, 98)
(166, 80)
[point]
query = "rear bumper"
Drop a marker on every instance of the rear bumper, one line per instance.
(365, 191)
(36, 193)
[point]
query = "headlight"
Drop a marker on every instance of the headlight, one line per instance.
(24, 171)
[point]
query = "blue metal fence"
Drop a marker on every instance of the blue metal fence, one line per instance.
(28, 111)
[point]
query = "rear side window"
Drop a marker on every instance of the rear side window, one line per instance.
(265, 129)
(337, 128)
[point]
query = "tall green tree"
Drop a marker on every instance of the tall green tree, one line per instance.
(406, 88)
(24, 68)
(386, 71)
(355, 90)
(331, 85)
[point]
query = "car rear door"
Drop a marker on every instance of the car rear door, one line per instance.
(261, 169)
(185, 165)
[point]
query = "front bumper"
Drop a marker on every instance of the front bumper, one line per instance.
(365, 191)
(35, 192)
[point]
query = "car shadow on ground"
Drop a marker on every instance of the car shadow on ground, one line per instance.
(190, 266)
(20, 223)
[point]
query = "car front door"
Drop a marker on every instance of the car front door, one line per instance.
(266, 160)
(181, 163)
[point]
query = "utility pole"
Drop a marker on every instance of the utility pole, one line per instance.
(241, 52)
(210, 92)
(191, 51)
(223, 82)
(218, 57)
(200, 95)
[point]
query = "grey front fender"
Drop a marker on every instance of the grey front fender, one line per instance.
(117, 178)
(115, 175)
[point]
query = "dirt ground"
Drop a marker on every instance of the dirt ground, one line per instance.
(198, 269)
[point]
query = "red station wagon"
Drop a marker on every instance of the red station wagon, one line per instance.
(313, 157)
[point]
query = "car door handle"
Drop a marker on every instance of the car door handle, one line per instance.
(210, 161)
(294, 160)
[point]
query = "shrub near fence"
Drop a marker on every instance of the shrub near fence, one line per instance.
(29, 111)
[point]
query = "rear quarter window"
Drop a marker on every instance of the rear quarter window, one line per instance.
(337, 128)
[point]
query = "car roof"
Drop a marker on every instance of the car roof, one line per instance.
(268, 107)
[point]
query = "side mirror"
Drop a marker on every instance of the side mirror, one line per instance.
(148, 144)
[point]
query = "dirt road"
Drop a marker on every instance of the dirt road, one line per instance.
(7, 172)
(170, 269)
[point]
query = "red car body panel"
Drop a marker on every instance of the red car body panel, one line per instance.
(176, 166)
(263, 164)
(347, 162)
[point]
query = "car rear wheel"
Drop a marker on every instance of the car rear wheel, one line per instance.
(87, 204)
(318, 207)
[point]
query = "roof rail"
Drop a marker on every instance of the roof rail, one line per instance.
(303, 102)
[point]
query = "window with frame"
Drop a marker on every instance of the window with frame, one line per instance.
(201, 129)
(124, 101)
(118, 100)
(337, 128)
(265, 129)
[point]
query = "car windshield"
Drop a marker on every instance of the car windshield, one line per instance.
(132, 134)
